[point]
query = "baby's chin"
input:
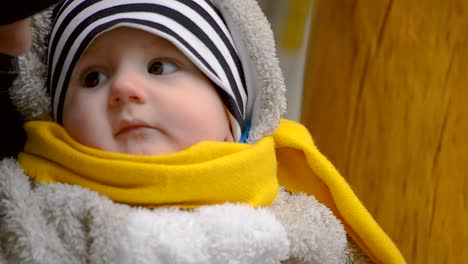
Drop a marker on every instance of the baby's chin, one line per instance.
(145, 149)
(149, 143)
(144, 142)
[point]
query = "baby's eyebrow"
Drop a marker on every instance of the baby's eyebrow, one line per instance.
(90, 56)
(162, 45)
(85, 62)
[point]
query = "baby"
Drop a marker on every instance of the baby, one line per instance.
(153, 101)
(122, 81)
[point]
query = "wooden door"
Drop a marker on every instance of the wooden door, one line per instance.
(386, 99)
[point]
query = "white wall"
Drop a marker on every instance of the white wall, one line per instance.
(288, 18)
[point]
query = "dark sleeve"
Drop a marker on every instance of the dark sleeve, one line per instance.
(12, 135)
(20, 9)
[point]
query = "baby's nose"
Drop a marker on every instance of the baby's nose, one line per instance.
(126, 88)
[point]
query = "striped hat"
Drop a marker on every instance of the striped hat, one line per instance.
(195, 27)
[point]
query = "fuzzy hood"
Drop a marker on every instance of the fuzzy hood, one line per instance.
(254, 42)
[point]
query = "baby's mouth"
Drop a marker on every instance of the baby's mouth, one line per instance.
(129, 126)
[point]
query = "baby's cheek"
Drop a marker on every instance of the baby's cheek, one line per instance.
(79, 129)
(84, 126)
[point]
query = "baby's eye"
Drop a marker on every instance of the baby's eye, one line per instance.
(161, 67)
(93, 79)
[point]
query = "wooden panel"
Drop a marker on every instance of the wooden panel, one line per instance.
(386, 99)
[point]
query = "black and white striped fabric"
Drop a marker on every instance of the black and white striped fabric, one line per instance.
(193, 26)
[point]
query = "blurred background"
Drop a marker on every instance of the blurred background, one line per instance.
(383, 88)
(291, 22)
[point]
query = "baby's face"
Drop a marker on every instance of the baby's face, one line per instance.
(133, 92)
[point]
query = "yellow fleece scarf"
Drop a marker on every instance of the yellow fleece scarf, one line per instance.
(208, 173)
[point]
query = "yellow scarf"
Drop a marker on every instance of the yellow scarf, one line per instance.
(208, 173)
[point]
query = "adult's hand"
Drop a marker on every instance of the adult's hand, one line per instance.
(15, 38)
